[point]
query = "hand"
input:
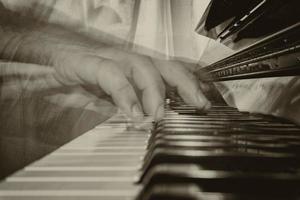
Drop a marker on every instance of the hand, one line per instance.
(134, 82)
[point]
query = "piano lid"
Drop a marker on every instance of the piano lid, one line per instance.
(237, 23)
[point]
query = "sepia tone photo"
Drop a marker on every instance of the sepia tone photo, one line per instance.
(149, 100)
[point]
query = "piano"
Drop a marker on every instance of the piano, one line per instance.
(221, 154)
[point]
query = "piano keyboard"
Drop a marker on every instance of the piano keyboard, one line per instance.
(222, 154)
(101, 164)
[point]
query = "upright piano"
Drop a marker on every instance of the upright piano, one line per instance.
(220, 154)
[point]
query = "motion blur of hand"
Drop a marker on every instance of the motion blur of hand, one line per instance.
(135, 83)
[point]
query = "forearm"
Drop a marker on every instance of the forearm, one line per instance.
(39, 44)
(26, 39)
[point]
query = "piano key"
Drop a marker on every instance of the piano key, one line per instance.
(45, 196)
(233, 146)
(74, 173)
(243, 160)
(193, 192)
(72, 194)
(94, 163)
(100, 179)
(81, 168)
(236, 136)
(66, 184)
(224, 181)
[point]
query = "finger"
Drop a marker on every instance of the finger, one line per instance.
(145, 76)
(112, 80)
(106, 73)
(149, 81)
(176, 75)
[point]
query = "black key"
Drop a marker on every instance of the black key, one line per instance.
(193, 192)
(223, 181)
(245, 161)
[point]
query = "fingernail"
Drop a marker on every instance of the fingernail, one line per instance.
(160, 112)
(202, 101)
(136, 111)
